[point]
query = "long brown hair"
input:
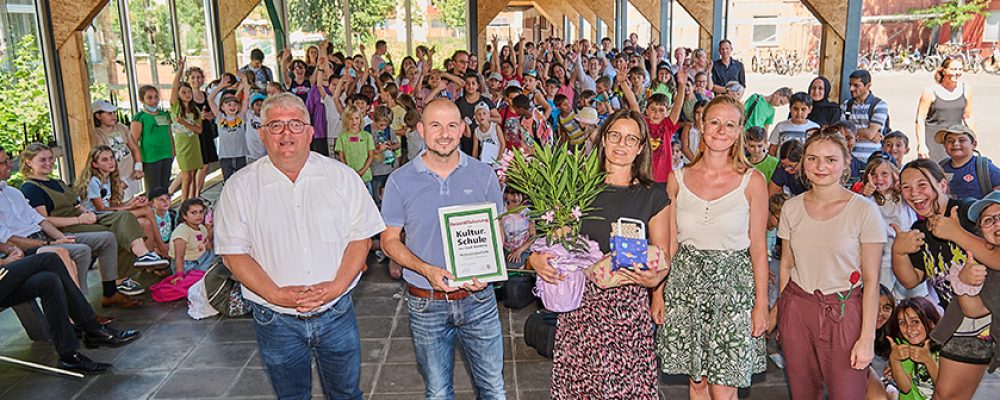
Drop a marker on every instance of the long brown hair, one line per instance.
(926, 312)
(90, 171)
(737, 152)
(642, 170)
(933, 173)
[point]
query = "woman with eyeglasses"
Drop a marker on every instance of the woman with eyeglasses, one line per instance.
(946, 103)
(713, 311)
(932, 249)
(604, 349)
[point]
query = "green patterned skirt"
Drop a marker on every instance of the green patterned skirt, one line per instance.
(708, 299)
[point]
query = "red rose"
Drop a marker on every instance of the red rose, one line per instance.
(855, 277)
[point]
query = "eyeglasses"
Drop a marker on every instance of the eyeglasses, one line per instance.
(616, 137)
(279, 127)
(987, 221)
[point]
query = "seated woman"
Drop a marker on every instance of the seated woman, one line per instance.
(104, 191)
(45, 277)
(56, 201)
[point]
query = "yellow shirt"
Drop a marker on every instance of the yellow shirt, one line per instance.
(195, 241)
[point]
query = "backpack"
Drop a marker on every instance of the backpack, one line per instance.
(224, 291)
(982, 172)
(540, 332)
(871, 112)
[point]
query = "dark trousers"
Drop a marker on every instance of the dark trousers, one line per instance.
(44, 276)
(230, 165)
(157, 174)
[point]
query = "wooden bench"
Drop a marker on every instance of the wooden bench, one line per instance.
(32, 319)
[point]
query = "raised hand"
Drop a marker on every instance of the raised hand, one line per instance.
(973, 273)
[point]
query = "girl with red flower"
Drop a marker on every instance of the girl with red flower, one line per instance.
(832, 247)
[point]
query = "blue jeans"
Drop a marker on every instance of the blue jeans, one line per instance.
(287, 345)
(476, 322)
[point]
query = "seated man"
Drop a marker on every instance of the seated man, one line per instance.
(44, 276)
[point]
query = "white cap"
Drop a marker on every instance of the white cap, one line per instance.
(103, 106)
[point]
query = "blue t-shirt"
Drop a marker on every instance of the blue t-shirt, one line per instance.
(790, 183)
(963, 181)
(413, 195)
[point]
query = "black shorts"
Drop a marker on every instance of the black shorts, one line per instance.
(968, 350)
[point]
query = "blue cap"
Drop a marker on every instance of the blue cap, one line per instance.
(980, 205)
(257, 96)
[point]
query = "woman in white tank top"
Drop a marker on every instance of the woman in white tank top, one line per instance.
(715, 299)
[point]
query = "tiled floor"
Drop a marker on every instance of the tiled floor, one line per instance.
(179, 358)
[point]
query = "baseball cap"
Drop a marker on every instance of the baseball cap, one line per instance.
(496, 77)
(957, 128)
(587, 115)
(157, 192)
(227, 98)
(977, 208)
(514, 83)
(103, 106)
(257, 96)
(532, 73)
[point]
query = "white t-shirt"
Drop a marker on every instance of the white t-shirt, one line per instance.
(827, 252)
(489, 149)
(297, 231)
(97, 190)
(787, 130)
(333, 123)
(255, 147)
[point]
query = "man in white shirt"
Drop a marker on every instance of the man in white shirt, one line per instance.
(295, 229)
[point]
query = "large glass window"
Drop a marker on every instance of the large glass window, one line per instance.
(256, 32)
(193, 34)
(24, 114)
(104, 46)
(152, 44)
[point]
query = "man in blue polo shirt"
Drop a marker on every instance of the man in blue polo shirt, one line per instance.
(442, 176)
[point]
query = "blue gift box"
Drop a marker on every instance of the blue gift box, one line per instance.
(628, 244)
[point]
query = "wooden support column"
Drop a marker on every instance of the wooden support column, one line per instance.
(231, 15)
(603, 10)
(649, 9)
(702, 11)
(841, 28)
(69, 18)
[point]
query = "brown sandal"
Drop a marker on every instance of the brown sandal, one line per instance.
(120, 300)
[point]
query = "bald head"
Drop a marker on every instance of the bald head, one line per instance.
(439, 108)
(441, 126)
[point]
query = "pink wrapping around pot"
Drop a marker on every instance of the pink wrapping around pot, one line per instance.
(565, 295)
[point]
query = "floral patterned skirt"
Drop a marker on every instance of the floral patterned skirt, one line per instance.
(708, 299)
(604, 349)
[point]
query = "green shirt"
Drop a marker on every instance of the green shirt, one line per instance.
(767, 166)
(763, 112)
(356, 147)
(922, 386)
(154, 144)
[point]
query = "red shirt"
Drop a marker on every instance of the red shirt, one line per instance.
(659, 141)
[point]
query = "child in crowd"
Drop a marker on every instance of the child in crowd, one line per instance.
(797, 124)
(785, 178)
(691, 134)
(756, 147)
(166, 218)
(914, 357)
(272, 88)
(879, 374)
(255, 146)
(663, 83)
(897, 145)
(774, 204)
(881, 184)
(414, 143)
(386, 145)
(636, 78)
(355, 147)
(587, 119)
(533, 122)
(231, 121)
(662, 125)
(605, 95)
(735, 90)
(186, 128)
(150, 128)
(677, 158)
(569, 128)
(108, 131)
(969, 174)
(517, 229)
(103, 192)
(487, 136)
(191, 242)
(760, 109)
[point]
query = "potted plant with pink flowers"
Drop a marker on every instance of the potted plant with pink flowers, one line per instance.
(561, 183)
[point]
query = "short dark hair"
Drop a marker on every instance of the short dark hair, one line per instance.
(756, 134)
(897, 135)
(791, 150)
(511, 90)
(659, 99)
(802, 98)
(724, 41)
(522, 101)
(559, 99)
(863, 75)
(256, 55)
(358, 96)
(187, 204)
(380, 43)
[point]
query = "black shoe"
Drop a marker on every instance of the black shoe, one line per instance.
(109, 337)
(79, 363)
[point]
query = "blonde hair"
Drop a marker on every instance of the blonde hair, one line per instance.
(117, 186)
(737, 155)
(30, 152)
(895, 194)
(350, 112)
